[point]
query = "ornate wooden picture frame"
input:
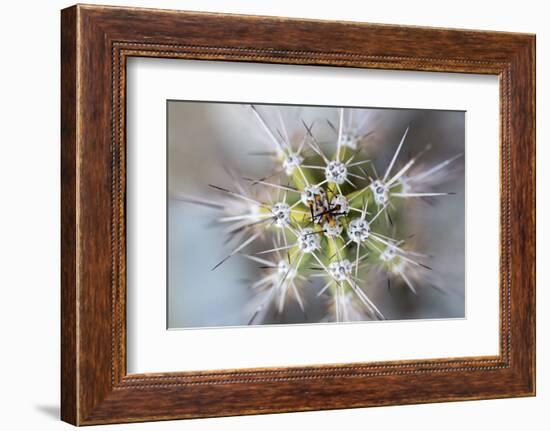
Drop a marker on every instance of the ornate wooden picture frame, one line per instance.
(96, 41)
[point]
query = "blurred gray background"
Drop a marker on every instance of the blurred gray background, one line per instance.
(205, 138)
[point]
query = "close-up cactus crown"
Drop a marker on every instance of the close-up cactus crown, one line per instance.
(330, 219)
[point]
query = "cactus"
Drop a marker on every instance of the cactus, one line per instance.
(327, 214)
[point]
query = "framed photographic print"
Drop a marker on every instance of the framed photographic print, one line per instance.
(259, 217)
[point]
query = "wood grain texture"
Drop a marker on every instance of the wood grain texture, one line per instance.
(96, 41)
(68, 217)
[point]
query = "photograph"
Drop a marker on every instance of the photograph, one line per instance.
(265, 215)
(299, 214)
